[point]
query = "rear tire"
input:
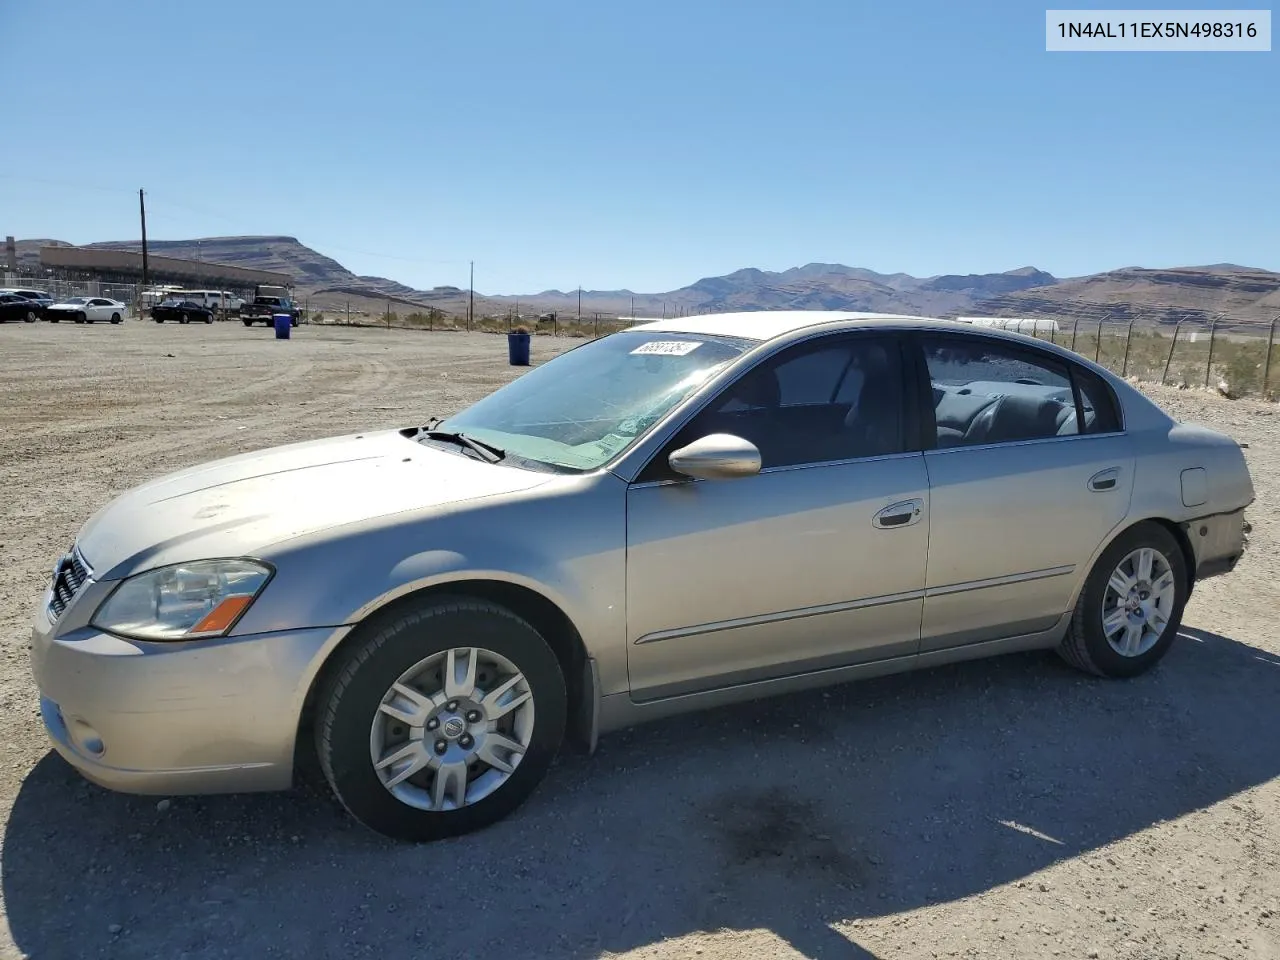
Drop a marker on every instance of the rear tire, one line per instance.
(247, 323)
(412, 653)
(1140, 638)
(115, 318)
(30, 317)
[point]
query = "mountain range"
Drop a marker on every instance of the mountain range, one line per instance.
(1163, 295)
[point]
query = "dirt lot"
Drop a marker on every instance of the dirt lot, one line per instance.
(1009, 808)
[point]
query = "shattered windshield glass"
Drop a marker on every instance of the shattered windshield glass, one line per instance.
(583, 408)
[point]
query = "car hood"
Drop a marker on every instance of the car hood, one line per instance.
(240, 505)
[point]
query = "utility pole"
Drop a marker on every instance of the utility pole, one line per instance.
(471, 303)
(142, 209)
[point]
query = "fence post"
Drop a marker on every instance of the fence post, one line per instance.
(1266, 364)
(1074, 327)
(595, 324)
(1097, 347)
(1208, 364)
(555, 323)
(1128, 339)
(348, 313)
(1169, 359)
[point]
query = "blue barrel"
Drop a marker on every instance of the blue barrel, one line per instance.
(283, 322)
(518, 349)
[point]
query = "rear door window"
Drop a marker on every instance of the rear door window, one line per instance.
(985, 391)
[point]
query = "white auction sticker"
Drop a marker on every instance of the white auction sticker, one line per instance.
(668, 348)
(1166, 31)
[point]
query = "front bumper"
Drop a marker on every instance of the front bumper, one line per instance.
(216, 716)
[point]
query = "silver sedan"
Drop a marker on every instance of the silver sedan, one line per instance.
(685, 514)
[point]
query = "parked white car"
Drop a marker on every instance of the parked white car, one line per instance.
(87, 310)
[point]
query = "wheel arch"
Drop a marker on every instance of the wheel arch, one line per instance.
(543, 614)
(1179, 532)
(1174, 528)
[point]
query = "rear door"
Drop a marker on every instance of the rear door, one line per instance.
(1029, 473)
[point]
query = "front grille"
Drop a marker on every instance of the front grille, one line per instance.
(68, 578)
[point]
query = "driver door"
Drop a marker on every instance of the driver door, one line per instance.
(817, 561)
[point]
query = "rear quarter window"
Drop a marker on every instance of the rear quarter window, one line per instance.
(1098, 402)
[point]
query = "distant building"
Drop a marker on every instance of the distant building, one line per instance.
(125, 266)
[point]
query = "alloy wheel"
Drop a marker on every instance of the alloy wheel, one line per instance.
(452, 729)
(1138, 602)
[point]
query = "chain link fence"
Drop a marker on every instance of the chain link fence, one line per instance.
(407, 317)
(126, 293)
(1240, 358)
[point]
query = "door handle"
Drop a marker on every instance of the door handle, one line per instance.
(901, 514)
(1104, 480)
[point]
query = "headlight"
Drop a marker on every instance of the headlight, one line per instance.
(183, 602)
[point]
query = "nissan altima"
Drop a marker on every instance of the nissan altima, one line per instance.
(684, 514)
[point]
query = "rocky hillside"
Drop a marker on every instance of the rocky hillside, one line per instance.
(1239, 294)
(1242, 294)
(284, 254)
(815, 286)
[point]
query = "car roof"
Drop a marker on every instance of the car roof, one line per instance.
(769, 324)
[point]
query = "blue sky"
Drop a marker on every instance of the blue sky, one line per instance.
(639, 145)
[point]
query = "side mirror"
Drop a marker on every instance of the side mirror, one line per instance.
(719, 456)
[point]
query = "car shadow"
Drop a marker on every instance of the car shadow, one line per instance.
(789, 815)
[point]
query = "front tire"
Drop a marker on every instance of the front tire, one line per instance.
(30, 317)
(1131, 606)
(82, 318)
(441, 722)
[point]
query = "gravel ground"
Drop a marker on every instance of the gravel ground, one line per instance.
(1008, 808)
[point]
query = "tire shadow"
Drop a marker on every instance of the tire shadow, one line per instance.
(790, 815)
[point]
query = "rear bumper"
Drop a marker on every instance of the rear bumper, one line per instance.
(1218, 542)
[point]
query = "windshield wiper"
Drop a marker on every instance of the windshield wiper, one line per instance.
(487, 451)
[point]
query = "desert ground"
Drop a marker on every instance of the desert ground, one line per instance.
(1007, 808)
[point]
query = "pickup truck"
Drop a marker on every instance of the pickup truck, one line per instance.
(263, 309)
